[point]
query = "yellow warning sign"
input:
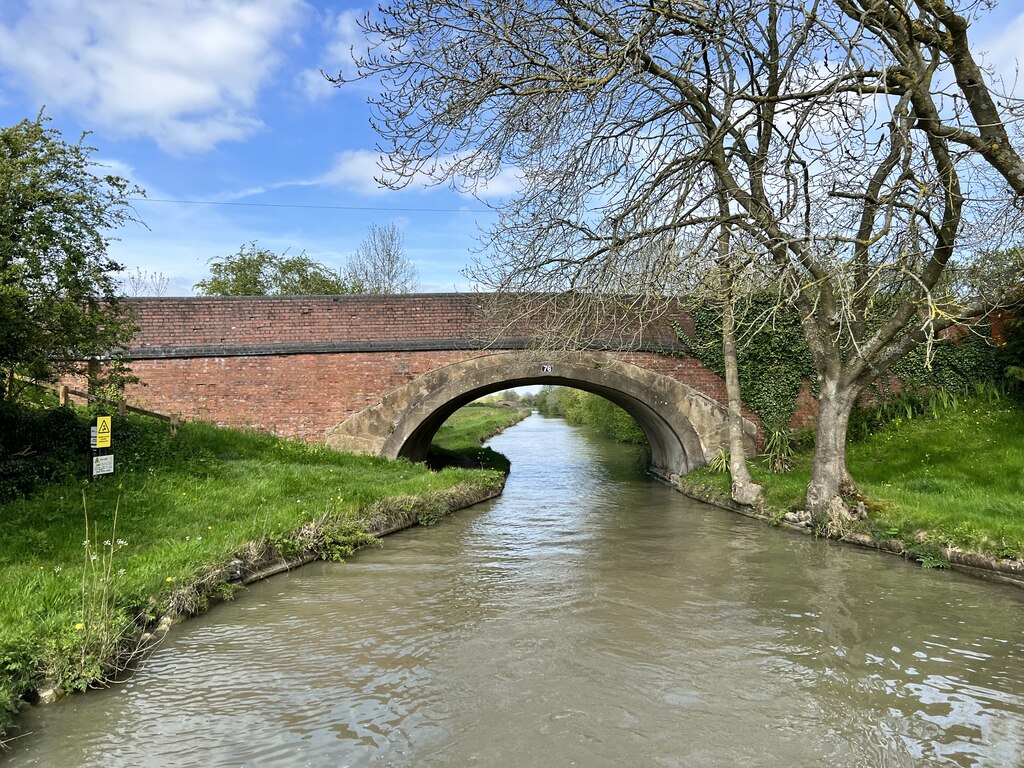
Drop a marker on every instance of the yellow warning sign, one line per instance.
(102, 431)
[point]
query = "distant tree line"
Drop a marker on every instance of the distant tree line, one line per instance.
(379, 265)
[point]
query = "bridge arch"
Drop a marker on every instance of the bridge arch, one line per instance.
(684, 427)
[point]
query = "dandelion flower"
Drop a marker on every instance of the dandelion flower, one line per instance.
(79, 626)
(169, 579)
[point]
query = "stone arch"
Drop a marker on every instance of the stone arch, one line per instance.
(684, 427)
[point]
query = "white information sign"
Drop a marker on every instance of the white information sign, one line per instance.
(102, 465)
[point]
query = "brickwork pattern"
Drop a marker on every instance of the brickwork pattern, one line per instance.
(218, 321)
(301, 394)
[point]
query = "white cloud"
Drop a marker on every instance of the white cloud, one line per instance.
(346, 38)
(355, 170)
(506, 183)
(358, 170)
(1002, 51)
(186, 74)
(314, 85)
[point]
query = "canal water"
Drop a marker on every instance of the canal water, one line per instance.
(588, 617)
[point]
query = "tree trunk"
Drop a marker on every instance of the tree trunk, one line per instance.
(744, 489)
(829, 478)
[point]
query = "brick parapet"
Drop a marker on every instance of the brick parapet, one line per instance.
(352, 319)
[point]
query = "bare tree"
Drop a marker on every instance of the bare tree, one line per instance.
(380, 264)
(857, 143)
(140, 283)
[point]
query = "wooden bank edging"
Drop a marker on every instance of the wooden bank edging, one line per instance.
(980, 566)
(389, 516)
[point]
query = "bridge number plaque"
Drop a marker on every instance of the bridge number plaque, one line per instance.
(547, 368)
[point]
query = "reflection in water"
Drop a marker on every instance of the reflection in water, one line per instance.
(588, 617)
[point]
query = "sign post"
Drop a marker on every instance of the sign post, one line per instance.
(102, 431)
(99, 441)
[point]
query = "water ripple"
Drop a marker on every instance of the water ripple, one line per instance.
(587, 617)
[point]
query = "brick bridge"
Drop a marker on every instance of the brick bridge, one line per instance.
(380, 374)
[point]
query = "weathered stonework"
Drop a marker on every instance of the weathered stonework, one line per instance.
(684, 427)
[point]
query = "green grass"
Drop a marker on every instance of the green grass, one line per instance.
(459, 440)
(182, 507)
(953, 477)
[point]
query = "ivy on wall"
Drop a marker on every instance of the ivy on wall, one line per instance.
(1011, 354)
(772, 356)
(956, 365)
(774, 360)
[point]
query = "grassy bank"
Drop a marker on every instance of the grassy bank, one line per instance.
(459, 442)
(89, 565)
(950, 477)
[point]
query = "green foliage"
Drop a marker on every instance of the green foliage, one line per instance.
(39, 445)
(587, 409)
(928, 555)
(947, 477)
(255, 271)
(898, 408)
(956, 364)
(778, 450)
(772, 355)
(187, 506)
(19, 665)
(774, 361)
(58, 292)
(341, 539)
(458, 443)
(101, 642)
(1011, 355)
(719, 463)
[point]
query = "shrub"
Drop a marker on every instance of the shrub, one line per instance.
(40, 445)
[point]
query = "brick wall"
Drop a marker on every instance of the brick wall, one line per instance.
(220, 321)
(268, 362)
(293, 395)
(302, 395)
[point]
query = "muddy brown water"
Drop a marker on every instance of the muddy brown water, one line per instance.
(588, 617)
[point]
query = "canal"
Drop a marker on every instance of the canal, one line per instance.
(590, 616)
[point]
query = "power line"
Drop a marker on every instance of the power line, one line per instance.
(311, 207)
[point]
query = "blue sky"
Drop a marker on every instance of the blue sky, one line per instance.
(222, 100)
